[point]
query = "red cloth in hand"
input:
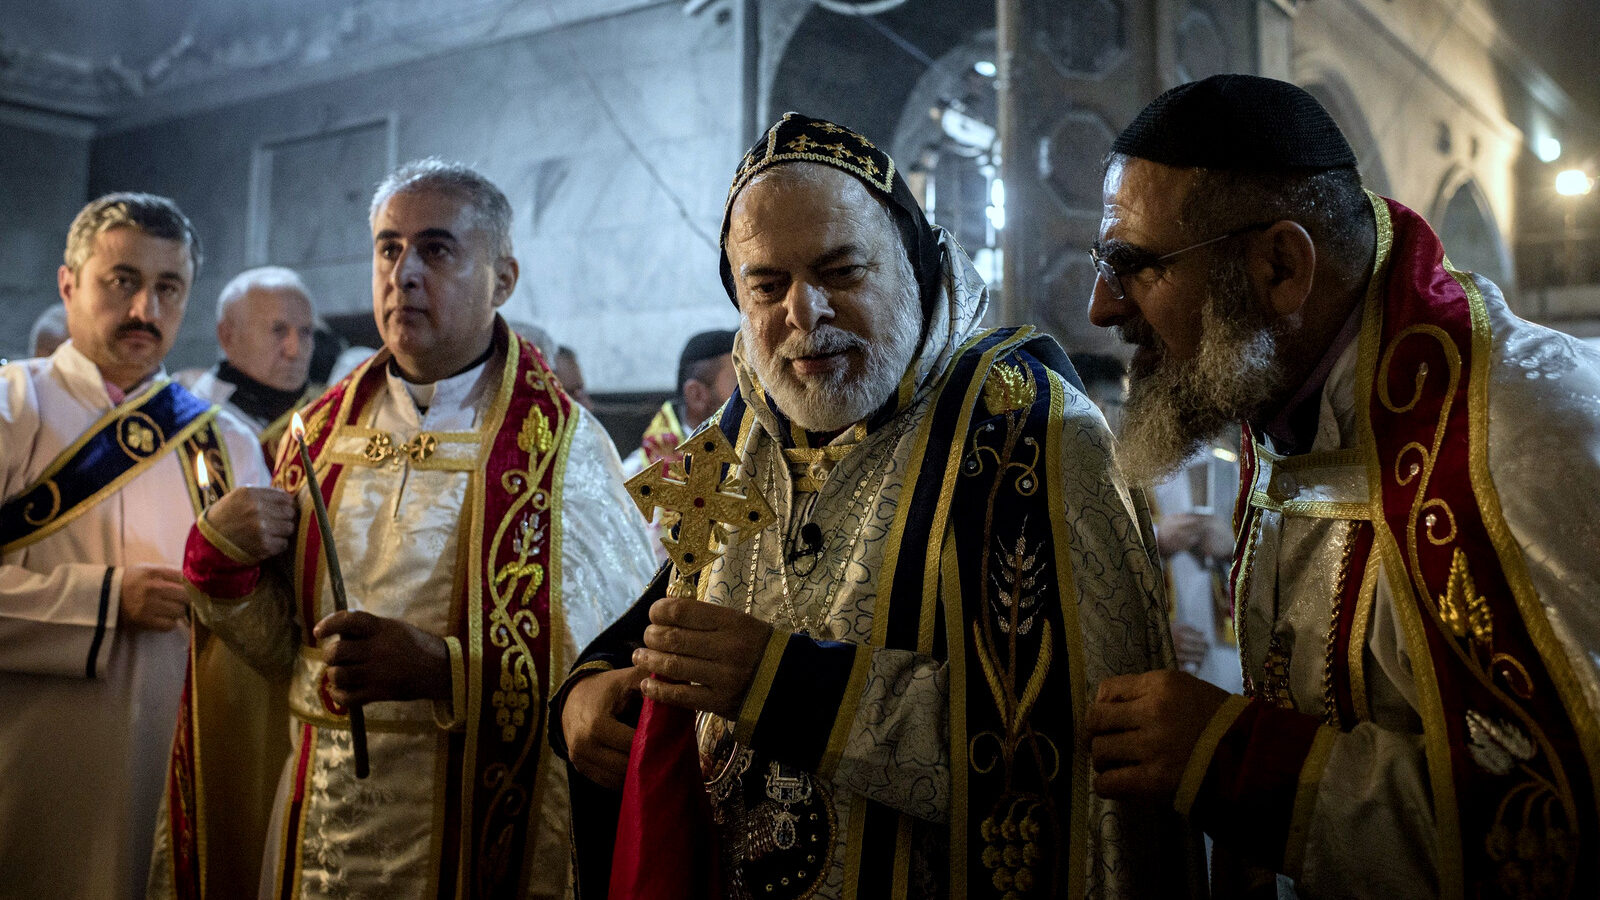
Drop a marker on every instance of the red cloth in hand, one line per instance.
(666, 844)
(213, 572)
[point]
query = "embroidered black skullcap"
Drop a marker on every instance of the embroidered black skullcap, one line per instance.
(798, 138)
(1236, 123)
(703, 346)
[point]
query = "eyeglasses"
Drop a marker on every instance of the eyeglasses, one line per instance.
(1142, 259)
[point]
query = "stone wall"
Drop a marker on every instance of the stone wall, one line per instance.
(1415, 86)
(613, 137)
(44, 170)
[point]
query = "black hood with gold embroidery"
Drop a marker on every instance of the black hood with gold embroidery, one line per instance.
(798, 138)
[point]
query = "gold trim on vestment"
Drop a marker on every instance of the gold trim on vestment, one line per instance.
(855, 837)
(117, 411)
(809, 468)
(296, 827)
(476, 506)
(1325, 509)
(1071, 638)
(458, 687)
(902, 858)
(58, 519)
(1512, 562)
(755, 697)
(1194, 771)
(1356, 657)
(1435, 732)
(1305, 799)
(1319, 459)
(545, 769)
(947, 489)
(220, 541)
(955, 624)
(449, 451)
(891, 547)
(849, 706)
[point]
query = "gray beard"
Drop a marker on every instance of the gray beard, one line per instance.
(840, 401)
(1177, 407)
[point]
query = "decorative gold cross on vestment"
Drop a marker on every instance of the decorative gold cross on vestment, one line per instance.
(699, 500)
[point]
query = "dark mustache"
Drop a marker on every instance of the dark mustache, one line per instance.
(131, 327)
(1139, 333)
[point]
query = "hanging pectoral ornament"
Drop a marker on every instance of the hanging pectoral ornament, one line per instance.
(666, 815)
(700, 506)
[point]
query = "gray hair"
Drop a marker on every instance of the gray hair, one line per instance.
(153, 215)
(268, 278)
(53, 320)
(491, 209)
(1330, 204)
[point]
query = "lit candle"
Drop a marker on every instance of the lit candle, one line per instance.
(358, 721)
(202, 477)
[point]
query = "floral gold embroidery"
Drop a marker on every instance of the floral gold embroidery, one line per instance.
(534, 436)
(139, 435)
(1007, 389)
(381, 448)
(1464, 611)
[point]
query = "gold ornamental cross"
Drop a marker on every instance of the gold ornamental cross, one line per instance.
(696, 498)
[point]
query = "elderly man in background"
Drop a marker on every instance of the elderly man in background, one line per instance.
(98, 453)
(891, 675)
(1415, 580)
(483, 535)
(265, 323)
(49, 331)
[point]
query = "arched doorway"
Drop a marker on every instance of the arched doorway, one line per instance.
(1471, 236)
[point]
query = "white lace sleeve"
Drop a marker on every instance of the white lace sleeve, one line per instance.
(605, 557)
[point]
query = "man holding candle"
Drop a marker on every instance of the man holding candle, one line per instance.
(98, 451)
(479, 521)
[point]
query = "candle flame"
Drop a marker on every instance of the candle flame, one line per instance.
(202, 475)
(297, 427)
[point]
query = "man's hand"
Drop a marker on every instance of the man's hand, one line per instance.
(259, 521)
(1142, 730)
(598, 741)
(152, 597)
(1191, 646)
(708, 652)
(1177, 532)
(376, 658)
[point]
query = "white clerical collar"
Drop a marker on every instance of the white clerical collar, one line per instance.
(86, 382)
(446, 395)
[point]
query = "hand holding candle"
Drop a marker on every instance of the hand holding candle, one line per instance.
(358, 722)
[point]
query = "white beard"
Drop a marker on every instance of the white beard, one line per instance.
(1172, 410)
(837, 400)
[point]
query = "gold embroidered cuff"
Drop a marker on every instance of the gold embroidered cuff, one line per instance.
(453, 717)
(847, 713)
(216, 539)
(1200, 757)
(1305, 800)
(760, 685)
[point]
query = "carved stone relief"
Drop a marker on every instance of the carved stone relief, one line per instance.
(1070, 155)
(1083, 37)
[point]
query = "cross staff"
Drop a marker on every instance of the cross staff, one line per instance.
(700, 502)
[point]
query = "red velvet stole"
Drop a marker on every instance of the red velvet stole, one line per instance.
(510, 531)
(1510, 745)
(185, 819)
(1503, 713)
